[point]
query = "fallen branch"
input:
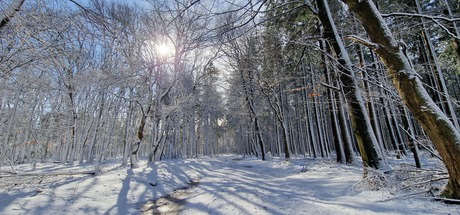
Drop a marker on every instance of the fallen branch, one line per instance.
(426, 182)
(445, 200)
(405, 195)
(419, 170)
(442, 199)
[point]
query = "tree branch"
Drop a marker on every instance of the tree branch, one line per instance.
(10, 12)
(417, 15)
(435, 19)
(363, 41)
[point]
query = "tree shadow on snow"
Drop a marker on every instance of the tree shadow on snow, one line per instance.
(273, 191)
(122, 200)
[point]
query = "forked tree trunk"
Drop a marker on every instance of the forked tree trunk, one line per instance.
(445, 137)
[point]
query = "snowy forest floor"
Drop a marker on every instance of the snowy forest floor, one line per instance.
(223, 185)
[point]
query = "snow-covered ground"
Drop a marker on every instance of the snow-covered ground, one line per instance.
(222, 185)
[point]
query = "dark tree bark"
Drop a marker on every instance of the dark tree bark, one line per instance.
(333, 110)
(249, 94)
(362, 128)
(140, 135)
(346, 137)
(445, 137)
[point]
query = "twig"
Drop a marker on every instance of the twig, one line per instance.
(445, 200)
(410, 15)
(11, 164)
(434, 19)
(405, 195)
(429, 150)
(363, 41)
(425, 182)
(330, 86)
(439, 172)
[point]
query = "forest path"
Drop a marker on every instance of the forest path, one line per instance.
(211, 185)
(240, 186)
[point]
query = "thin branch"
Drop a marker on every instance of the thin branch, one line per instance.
(311, 7)
(363, 41)
(330, 86)
(445, 200)
(11, 164)
(429, 150)
(10, 12)
(417, 15)
(405, 195)
(425, 182)
(435, 19)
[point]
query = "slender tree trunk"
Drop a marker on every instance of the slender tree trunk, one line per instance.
(445, 137)
(283, 113)
(412, 141)
(309, 138)
(333, 111)
(439, 76)
(249, 97)
(91, 153)
(370, 101)
(454, 27)
(9, 123)
(126, 135)
(346, 137)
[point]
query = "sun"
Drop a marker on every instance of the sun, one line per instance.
(160, 49)
(165, 49)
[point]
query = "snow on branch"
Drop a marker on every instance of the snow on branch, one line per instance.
(363, 41)
(435, 19)
(417, 15)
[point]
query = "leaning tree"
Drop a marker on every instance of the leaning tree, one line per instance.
(442, 132)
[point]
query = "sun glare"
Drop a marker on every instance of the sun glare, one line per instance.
(165, 49)
(158, 49)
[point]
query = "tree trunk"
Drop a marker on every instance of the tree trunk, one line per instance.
(249, 98)
(140, 135)
(412, 141)
(367, 142)
(346, 137)
(456, 41)
(126, 135)
(438, 73)
(445, 137)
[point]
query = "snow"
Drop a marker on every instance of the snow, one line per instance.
(220, 185)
